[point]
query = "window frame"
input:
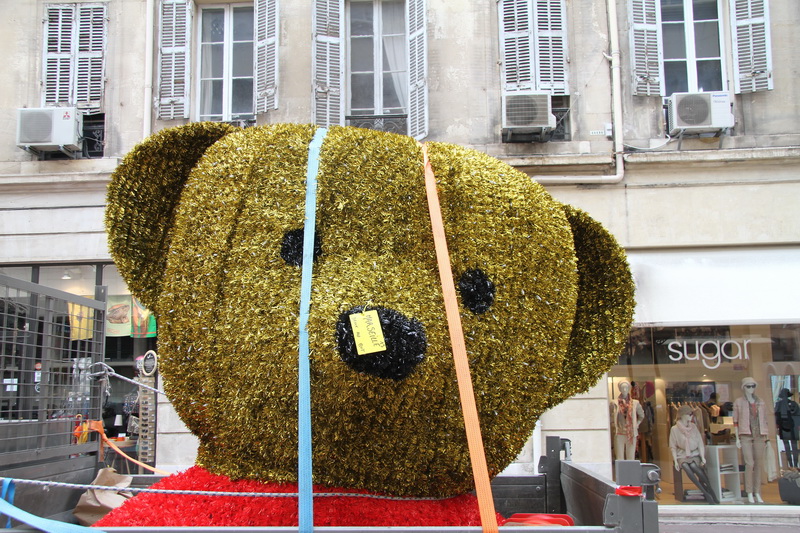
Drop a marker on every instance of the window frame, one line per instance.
(228, 78)
(177, 73)
(378, 72)
(329, 85)
(691, 59)
(748, 47)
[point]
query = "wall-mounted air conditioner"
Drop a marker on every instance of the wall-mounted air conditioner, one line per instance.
(699, 112)
(49, 129)
(527, 112)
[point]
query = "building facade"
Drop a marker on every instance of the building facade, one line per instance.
(673, 122)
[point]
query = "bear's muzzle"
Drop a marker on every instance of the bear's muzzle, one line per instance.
(405, 344)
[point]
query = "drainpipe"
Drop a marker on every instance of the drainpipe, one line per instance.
(147, 115)
(616, 114)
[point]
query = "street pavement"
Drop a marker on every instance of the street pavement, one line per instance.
(728, 528)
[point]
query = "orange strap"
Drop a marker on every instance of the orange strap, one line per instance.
(480, 471)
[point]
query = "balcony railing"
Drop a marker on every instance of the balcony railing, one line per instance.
(388, 123)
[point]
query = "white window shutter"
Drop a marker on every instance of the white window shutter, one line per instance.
(417, 69)
(58, 55)
(646, 47)
(550, 36)
(266, 56)
(516, 41)
(90, 57)
(328, 62)
(752, 61)
(173, 60)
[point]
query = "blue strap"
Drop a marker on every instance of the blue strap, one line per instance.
(37, 522)
(304, 469)
(7, 494)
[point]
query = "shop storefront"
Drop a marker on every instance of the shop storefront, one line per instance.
(130, 331)
(703, 367)
(706, 321)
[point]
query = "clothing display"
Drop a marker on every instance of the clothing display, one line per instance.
(688, 451)
(787, 419)
(752, 432)
(626, 415)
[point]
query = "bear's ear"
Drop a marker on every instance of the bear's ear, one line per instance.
(604, 311)
(142, 198)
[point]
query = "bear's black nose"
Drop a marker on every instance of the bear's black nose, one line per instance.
(404, 338)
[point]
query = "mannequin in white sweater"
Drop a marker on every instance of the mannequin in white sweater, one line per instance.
(688, 452)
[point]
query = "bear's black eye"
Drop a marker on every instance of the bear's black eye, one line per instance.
(477, 290)
(292, 247)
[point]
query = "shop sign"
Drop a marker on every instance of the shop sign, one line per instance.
(711, 352)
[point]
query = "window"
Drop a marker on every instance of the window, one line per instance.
(236, 71)
(73, 69)
(74, 55)
(377, 63)
(678, 46)
(225, 71)
(534, 45)
(534, 76)
(692, 46)
(369, 64)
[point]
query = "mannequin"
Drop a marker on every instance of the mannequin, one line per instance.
(626, 415)
(787, 416)
(751, 428)
(689, 453)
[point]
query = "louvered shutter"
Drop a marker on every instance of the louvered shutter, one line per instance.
(550, 36)
(417, 69)
(90, 62)
(173, 57)
(752, 62)
(74, 55)
(646, 47)
(516, 40)
(328, 62)
(58, 57)
(266, 56)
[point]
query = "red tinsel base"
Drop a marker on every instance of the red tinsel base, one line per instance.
(161, 510)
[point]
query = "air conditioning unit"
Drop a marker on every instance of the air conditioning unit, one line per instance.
(699, 112)
(527, 112)
(49, 129)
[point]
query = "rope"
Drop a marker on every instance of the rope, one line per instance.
(136, 490)
(480, 471)
(304, 462)
(108, 371)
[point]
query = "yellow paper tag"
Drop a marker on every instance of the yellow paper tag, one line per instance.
(367, 332)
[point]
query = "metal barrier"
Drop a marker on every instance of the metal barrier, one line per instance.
(49, 340)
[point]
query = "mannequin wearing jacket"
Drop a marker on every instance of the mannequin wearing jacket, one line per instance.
(787, 418)
(626, 415)
(688, 452)
(751, 428)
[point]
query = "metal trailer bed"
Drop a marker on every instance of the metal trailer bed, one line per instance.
(562, 487)
(44, 388)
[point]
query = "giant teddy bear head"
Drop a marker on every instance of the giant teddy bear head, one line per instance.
(205, 223)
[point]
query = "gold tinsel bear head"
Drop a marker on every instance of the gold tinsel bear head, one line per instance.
(205, 224)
